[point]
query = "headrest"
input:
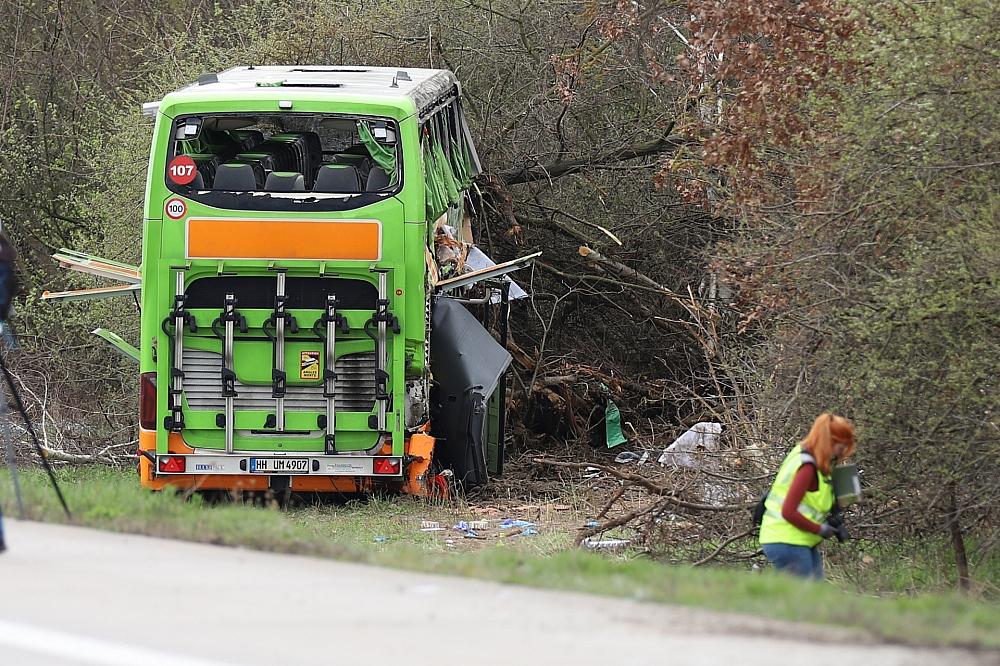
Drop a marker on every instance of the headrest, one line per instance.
(377, 179)
(337, 178)
(285, 181)
(235, 177)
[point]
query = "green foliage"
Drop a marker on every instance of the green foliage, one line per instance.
(890, 291)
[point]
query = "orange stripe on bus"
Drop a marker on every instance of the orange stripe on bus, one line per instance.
(283, 239)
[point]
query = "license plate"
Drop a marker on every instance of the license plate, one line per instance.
(279, 465)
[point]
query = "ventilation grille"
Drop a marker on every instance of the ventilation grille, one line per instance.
(203, 386)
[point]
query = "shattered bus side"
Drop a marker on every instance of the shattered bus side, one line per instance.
(298, 331)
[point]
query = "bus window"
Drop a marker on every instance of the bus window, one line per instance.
(284, 161)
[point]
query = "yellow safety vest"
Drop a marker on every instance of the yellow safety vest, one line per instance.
(816, 504)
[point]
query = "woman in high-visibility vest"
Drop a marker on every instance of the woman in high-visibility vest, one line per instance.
(801, 498)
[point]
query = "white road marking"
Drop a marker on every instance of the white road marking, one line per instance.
(88, 650)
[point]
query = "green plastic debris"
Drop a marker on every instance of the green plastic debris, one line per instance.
(127, 350)
(613, 425)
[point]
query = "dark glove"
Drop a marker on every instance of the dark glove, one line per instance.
(826, 530)
(836, 521)
(842, 534)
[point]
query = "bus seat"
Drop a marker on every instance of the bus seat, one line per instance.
(235, 177)
(198, 183)
(337, 178)
(284, 181)
(248, 138)
(300, 146)
(219, 143)
(286, 156)
(207, 164)
(258, 170)
(314, 147)
(266, 161)
(377, 179)
(362, 163)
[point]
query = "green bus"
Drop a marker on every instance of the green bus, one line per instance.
(298, 332)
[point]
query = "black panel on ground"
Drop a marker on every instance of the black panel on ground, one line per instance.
(466, 364)
(258, 291)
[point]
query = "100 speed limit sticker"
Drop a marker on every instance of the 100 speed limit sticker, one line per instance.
(175, 209)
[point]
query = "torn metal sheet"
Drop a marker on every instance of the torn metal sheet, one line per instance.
(127, 350)
(478, 260)
(486, 273)
(99, 266)
(91, 294)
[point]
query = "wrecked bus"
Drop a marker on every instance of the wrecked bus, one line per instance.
(298, 332)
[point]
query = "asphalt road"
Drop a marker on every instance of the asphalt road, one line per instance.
(70, 595)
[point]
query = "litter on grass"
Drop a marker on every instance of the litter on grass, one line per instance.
(605, 544)
(632, 456)
(509, 523)
(688, 450)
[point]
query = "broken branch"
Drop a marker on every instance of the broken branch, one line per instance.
(722, 546)
(668, 494)
(564, 167)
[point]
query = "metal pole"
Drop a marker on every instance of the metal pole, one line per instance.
(177, 376)
(330, 374)
(382, 351)
(228, 373)
(279, 353)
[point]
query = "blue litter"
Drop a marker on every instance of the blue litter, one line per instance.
(381, 539)
(463, 527)
(508, 523)
(529, 531)
(592, 523)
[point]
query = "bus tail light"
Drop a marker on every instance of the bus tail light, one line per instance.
(147, 401)
(172, 464)
(386, 466)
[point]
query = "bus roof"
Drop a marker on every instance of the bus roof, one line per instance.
(424, 87)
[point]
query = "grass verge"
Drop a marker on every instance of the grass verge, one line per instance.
(383, 532)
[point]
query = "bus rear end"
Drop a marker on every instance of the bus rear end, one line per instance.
(285, 310)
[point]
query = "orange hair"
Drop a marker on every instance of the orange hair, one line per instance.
(826, 430)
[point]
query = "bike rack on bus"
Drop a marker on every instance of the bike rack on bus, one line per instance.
(278, 320)
(180, 318)
(230, 318)
(383, 319)
(326, 328)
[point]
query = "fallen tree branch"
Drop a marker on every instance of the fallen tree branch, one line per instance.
(621, 270)
(668, 494)
(611, 502)
(559, 168)
(588, 532)
(722, 546)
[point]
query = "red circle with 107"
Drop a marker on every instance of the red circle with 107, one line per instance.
(176, 209)
(182, 170)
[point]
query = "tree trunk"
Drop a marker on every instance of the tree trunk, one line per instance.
(958, 543)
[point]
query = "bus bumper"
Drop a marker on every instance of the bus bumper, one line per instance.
(184, 467)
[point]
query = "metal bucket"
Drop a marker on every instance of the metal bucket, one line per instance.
(846, 484)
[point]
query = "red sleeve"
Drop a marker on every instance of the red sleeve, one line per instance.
(804, 478)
